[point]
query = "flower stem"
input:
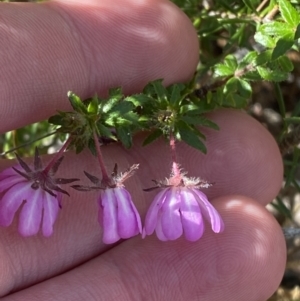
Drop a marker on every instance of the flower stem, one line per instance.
(57, 155)
(175, 167)
(105, 177)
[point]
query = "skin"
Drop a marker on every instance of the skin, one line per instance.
(88, 47)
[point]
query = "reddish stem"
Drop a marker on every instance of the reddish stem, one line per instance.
(57, 156)
(105, 177)
(175, 167)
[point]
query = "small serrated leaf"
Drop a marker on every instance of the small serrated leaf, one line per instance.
(139, 99)
(124, 136)
(231, 61)
(116, 93)
(289, 13)
(263, 58)
(122, 107)
(189, 136)
(188, 108)
(105, 131)
(175, 94)
(252, 76)
(283, 44)
(152, 136)
(265, 40)
(160, 91)
(76, 103)
(93, 105)
(223, 70)
(285, 64)
(249, 58)
(200, 120)
(271, 75)
(275, 29)
(109, 104)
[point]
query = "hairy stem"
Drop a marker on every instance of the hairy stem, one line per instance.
(175, 167)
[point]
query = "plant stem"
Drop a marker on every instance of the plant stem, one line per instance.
(57, 155)
(175, 167)
(105, 177)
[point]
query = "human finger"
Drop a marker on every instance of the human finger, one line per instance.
(87, 47)
(246, 262)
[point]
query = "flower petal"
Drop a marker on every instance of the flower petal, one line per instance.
(108, 203)
(8, 172)
(10, 181)
(31, 213)
(11, 201)
(152, 213)
(51, 208)
(129, 221)
(192, 221)
(158, 230)
(209, 212)
(170, 218)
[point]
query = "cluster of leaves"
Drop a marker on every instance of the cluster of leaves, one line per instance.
(255, 40)
(162, 111)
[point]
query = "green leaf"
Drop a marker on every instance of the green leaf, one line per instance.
(264, 40)
(271, 75)
(231, 62)
(263, 58)
(289, 13)
(160, 91)
(190, 136)
(237, 92)
(91, 146)
(121, 108)
(285, 64)
(139, 99)
(297, 33)
(188, 108)
(124, 136)
(109, 104)
(275, 29)
(252, 76)
(283, 44)
(116, 93)
(175, 92)
(200, 120)
(152, 136)
(104, 131)
(249, 58)
(223, 70)
(93, 105)
(76, 102)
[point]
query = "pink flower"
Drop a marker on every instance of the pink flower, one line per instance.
(180, 210)
(32, 190)
(119, 216)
